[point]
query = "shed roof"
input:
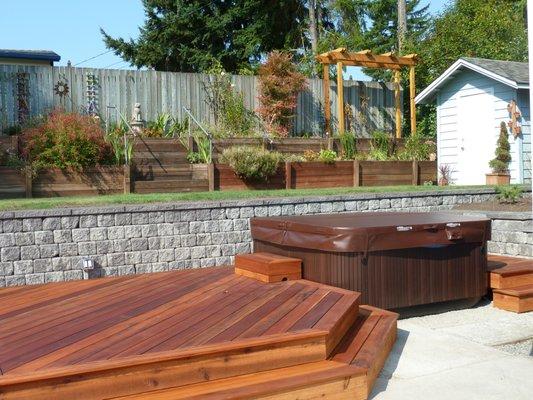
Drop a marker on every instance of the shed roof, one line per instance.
(47, 55)
(512, 73)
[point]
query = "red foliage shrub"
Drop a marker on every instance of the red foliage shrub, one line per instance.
(65, 140)
(279, 85)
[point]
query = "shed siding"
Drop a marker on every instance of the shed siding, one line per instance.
(464, 83)
(523, 104)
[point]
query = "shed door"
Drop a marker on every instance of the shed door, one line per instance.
(476, 141)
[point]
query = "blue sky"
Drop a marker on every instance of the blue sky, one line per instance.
(72, 27)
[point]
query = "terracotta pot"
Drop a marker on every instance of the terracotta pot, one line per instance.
(498, 179)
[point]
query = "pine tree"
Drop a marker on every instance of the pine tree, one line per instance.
(182, 35)
(500, 164)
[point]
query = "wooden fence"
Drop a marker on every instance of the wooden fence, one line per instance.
(27, 91)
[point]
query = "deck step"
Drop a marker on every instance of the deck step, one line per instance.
(511, 275)
(349, 373)
(517, 299)
(369, 342)
(311, 381)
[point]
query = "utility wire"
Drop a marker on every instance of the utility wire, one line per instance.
(92, 58)
(115, 63)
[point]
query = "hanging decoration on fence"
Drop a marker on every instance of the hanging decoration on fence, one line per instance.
(515, 115)
(23, 95)
(93, 87)
(61, 89)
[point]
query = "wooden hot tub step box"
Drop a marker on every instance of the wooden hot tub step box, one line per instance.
(511, 281)
(517, 299)
(268, 267)
(508, 272)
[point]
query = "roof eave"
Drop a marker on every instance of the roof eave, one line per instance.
(426, 95)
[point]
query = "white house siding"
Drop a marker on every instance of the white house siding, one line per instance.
(465, 83)
(523, 104)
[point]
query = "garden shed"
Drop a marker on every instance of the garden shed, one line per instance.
(473, 97)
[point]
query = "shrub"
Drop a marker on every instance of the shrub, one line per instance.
(416, 148)
(165, 125)
(252, 163)
(121, 143)
(500, 164)
(293, 158)
(232, 118)
(348, 144)
(65, 140)
(279, 85)
(327, 156)
(509, 194)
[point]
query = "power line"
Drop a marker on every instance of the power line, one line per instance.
(115, 63)
(92, 58)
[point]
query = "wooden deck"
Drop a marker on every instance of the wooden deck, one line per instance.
(140, 335)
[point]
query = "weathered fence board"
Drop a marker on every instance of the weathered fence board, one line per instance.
(371, 103)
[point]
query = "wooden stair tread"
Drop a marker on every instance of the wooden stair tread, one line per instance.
(274, 382)
(512, 270)
(519, 291)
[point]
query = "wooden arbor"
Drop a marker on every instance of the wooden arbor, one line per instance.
(365, 58)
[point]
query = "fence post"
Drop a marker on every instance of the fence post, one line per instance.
(288, 175)
(28, 183)
(127, 179)
(415, 173)
(356, 173)
(211, 176)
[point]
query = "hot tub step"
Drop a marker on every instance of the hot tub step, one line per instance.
(509, 272)
(518, 299)
(268, 267)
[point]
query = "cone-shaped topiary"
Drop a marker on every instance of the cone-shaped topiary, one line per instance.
(500, 164)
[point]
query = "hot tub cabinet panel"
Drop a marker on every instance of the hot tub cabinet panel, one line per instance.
(400, 260)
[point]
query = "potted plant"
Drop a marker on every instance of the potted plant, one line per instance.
(500, 164)
(445, 172)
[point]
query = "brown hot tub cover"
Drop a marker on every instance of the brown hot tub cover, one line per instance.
(367, 232)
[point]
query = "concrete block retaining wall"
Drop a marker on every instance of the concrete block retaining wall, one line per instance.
(49, 245)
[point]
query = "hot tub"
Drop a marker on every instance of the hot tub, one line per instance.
(394, 259)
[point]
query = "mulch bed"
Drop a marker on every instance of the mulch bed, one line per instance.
(495, 205)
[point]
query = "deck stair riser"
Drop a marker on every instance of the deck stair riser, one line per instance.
(110, 379)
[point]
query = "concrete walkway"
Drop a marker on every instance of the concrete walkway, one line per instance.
(478, 353)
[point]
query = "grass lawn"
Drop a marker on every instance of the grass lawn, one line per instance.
(44, 203)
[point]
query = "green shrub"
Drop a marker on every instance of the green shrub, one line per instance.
(116, 135)
(348, 144)
(193, 157)
(500, 164)
(416, 148)
(252, 163)
(509, 194)
(66, 140)
(378, 155)
(327, 156)
(166, 126)
(381, 142)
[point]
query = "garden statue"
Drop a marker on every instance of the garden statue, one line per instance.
(137, 123)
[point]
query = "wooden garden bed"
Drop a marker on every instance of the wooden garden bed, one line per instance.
(12, 183)
(308, 175)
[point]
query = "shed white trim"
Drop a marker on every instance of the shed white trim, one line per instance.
(428, 93)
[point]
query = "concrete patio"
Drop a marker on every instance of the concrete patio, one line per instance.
(476, 353)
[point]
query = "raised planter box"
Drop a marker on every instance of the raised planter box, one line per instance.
(308, 175)
(12, 183)
(224, 178)
(90, 181)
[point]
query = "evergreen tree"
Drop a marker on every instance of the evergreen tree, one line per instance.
(182, 35)
(500, 164)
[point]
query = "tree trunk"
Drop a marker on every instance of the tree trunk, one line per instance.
(313, 27)
(402, 24)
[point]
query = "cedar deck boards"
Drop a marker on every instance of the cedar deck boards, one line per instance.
(130, 334)
(511, 279)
